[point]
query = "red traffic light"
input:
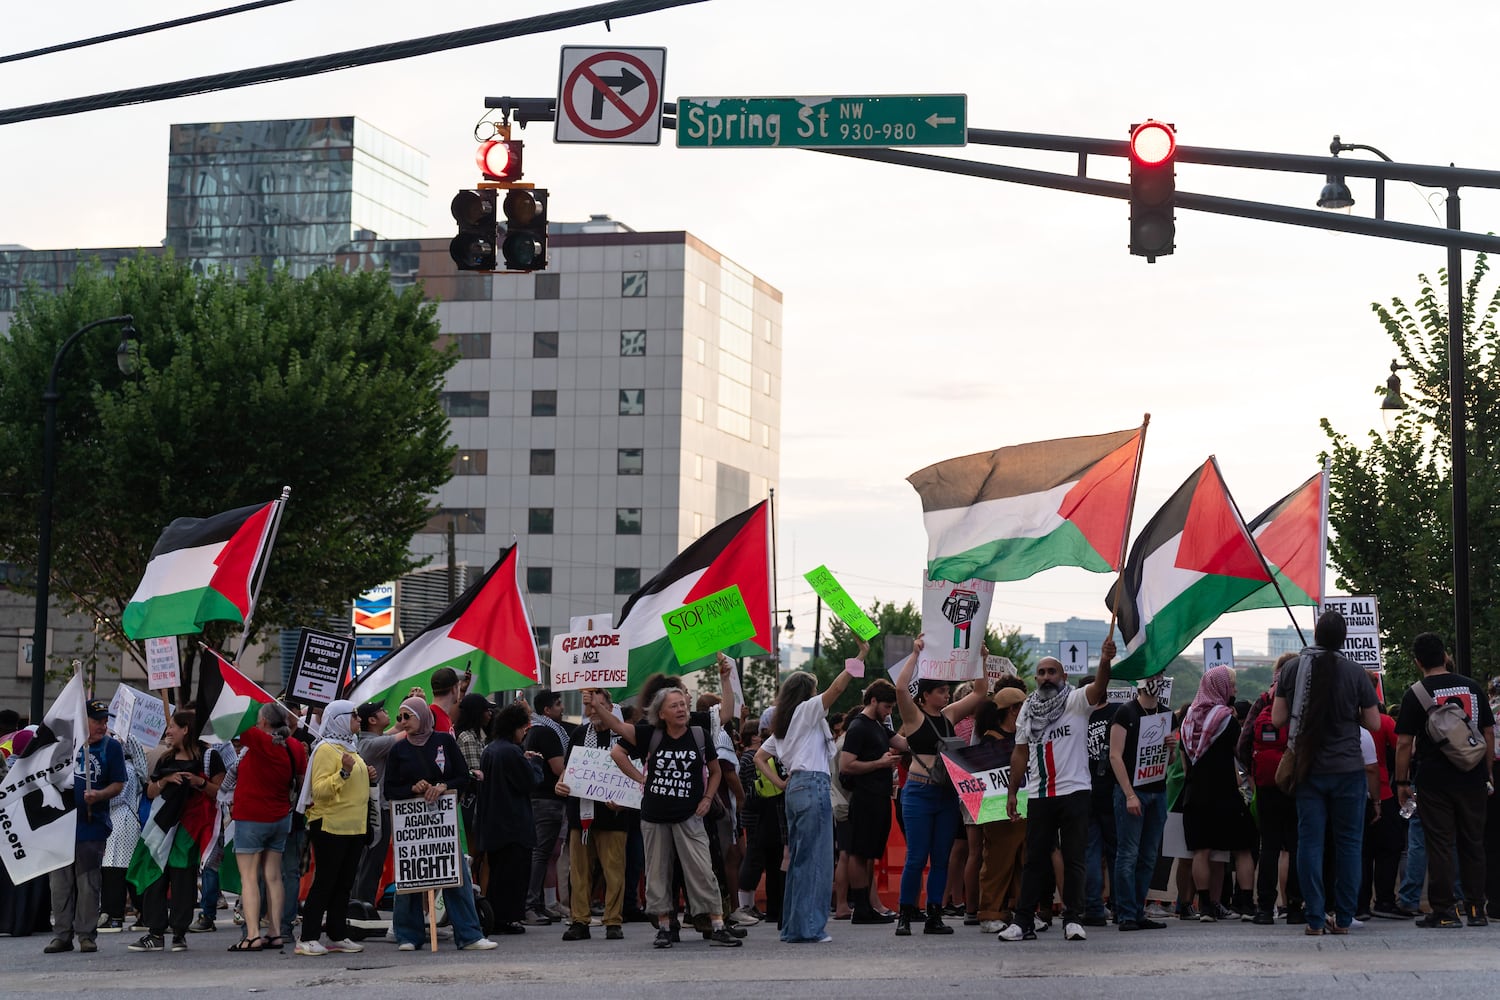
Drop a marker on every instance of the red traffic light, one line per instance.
(500, 159)
(1153, 143)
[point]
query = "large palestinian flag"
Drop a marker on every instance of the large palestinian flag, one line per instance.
(1013, 512)
(734, 553)
(228, 701)
(201, 570)
(1194, 561)
(486, 630)
(1291, 534)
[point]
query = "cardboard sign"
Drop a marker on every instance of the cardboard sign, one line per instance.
(591, 774)
(981, 776)
(1151, 749)
(135, 714)
(954, 617)
(600, 622)
(704, 627)
(318, 666)
(1362, 616)
(589, 660)
(998, 667)
(840, 603)
(163, 669)
(1073, 654)
(424, 839)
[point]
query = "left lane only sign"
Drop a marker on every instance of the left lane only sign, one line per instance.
(610, 95)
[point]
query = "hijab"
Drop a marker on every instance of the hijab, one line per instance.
(418, 707)
(335, 730)
(1210, 713)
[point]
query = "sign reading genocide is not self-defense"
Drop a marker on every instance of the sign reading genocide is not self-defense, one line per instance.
(424, 841)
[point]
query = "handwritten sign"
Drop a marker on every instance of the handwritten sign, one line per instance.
(704, 627)
(997, 668)
(591, 774)
(1151, 749)
(139, 715)
(954, 617)
(163, 670)
(424, 839)
(981, 776)
(840, 603)
(589, 660)
(1119, 695)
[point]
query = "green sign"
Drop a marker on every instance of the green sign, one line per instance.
(840, 603)
(821, 122)
(708, 625)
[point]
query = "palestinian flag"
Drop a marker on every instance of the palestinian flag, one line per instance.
(1194, 561)
(734, 553)
(228, 701)
(201, 570)
(1291, 534)
(178, 831)
(486, 630)
(1008, 514)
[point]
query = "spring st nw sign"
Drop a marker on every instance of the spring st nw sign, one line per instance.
(821, 122)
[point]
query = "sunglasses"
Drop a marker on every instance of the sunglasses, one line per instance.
(403, 716)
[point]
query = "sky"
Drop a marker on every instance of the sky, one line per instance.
(927, 316)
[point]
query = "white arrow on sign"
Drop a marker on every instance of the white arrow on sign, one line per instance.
(935, 120)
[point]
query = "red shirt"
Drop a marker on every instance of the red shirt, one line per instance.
(263, 790)
(1385, 742)
(440, 721)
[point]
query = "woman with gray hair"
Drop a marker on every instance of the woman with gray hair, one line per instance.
(262, 814)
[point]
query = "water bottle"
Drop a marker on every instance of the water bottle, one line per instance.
(1408, 810)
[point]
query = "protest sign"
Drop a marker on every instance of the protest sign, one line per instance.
(997, 668)
(591, 774)
(424, 839)
(981, 776)
(954, 616)
(1362, 642)
(1119, 695)
(1151, 749)
(139, 715)
(319, 666)
(705, 626)
(855, 666)
(589, 660)
(163, 669)
(1165, 698)
(840, 603)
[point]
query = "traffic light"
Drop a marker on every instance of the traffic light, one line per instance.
(1153, 189)
(524, 245)
(500, 160)
(473, 249)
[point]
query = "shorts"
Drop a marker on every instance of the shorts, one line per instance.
(252, 838)
(869, 824)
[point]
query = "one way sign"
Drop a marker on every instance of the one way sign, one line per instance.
(1074, 654)
(1218, 653)
(610, 95)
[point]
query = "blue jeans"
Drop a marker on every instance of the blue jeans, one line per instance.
(1330, 804)
(809, 873)
(291, 878)
(1137, 845)
(408, 921)
(930, 815)
(1100, 853)
(1410, 895)
(209, 902)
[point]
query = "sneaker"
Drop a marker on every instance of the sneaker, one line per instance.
(991, 926)
(576, 932)
(313, 948)
(745, 916)
(345, 947)
(971, 920)
(825, 939)
(137, 926)
(1128, 925)
(1147, 924)
(1043, 925)
(57, 946)
(1365, 915)
(1094, 920)
(239, 914)
(1391, 911)
(483, 944)
(179, 944)
(1208, 916)
(1263, 917)
(663, 938)
(556, 912)
(1225, 913)
(1013, 932)
(1185, 911)
(1443, 921)
(202, 925)
(1155, 911)
(1074, 932)
(390, 935)
(535, 919)
(87, 945)
(445, 933)
(724, 938)
(112, 926)
(406, 946)
(614, 933)
(148, 943)
(1478, 919)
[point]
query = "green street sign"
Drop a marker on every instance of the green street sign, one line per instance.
(821, 122)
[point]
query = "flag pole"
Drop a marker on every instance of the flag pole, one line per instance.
(1258, 553)
(262, 556)
(1323, 534)
(1135, 481)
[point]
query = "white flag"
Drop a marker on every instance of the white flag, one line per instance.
(37, 811)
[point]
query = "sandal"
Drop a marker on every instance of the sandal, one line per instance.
(276, 943)
(1313, 931)
(249, 944)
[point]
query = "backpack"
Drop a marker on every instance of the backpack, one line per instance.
(716, 810)
(1450, 729)
(764, 789)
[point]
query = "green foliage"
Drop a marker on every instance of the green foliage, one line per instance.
(329, 385)
(1390, 505)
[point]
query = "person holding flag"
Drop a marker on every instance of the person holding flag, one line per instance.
(98, 776)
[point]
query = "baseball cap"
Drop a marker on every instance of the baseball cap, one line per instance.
(1006, 697)
(369, 710)
(98, 709)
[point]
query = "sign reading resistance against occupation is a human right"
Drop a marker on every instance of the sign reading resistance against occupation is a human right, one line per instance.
(424, 840)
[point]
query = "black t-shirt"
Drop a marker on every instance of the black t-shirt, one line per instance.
(1099, 722)
(867, 739)
(545, 742)
(1148, 774)
(1432, 767)
(675, 779)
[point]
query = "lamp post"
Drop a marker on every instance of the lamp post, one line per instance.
(1332, 197)
(125, 358)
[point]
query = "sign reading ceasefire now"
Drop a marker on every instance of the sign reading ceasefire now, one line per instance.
(708, 625)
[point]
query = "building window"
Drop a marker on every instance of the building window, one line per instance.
(702, 349)
(768, 331)
(630, 462)
(543, 635)
(697, 466)
(697, 525)
(698, 408)
(702, 293)
(765, 383)
(543, 461)
(544, 344)
(470, 345)
(548, 286)
(627, 581)
(465, 521)
(544, 402)
(539, 521)
(471, 463)
(465, 404)
(632, 402)
(765, 435)
(627, 520)
(633, 285)
(632, 343)
(539, 579)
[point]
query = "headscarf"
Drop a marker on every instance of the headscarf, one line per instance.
(335, 729)
(418, 707)
(1210, 713)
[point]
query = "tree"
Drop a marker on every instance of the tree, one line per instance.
(1390, 504)
(329, 384)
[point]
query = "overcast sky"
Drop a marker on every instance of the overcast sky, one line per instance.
(926, 316)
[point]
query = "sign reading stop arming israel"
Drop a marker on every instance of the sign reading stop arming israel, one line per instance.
(705, 626)
(424, 839)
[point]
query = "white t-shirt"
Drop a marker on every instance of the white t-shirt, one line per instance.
(805, 747)
(1367, 747)
(1059, 764)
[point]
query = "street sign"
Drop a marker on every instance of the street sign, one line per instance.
(821, 122)
(1074, 654)
(1218, 653)
(610, 95)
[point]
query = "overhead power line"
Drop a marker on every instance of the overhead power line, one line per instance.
(298, 68)
(132, 32)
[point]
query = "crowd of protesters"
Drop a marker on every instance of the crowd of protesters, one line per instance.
(1301, 807)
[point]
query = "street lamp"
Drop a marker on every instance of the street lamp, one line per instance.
(125, 357)
(1458, 417)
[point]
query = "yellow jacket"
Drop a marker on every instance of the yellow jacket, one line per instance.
(341, 803)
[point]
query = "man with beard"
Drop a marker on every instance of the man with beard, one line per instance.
(1052, 751)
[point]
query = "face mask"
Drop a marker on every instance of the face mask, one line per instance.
(1153, 686)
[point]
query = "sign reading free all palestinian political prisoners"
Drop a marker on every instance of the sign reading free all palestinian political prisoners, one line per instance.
(591, 774)
(424, 839)
(981, 776)
(708, 625)
(1362, 617)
